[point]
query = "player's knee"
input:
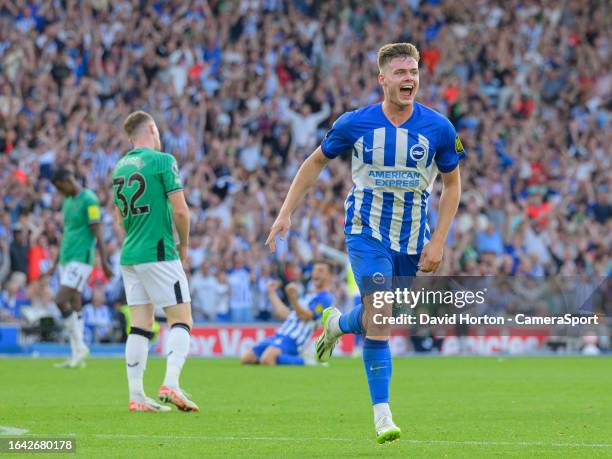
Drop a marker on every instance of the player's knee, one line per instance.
(144, 323)
(61, 299)
(248, 358)
(268, 359)
(180, 313)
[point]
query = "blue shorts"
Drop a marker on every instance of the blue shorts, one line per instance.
(375, 265)
(284, 343)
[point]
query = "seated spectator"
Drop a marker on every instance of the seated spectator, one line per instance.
(13, 298)
(240, 298)
(98, 319)
(19, 249)
(207, 292)
(42, 302)
(490, 240)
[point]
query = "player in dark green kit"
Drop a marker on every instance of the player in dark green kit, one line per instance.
(148, 194)
(81, 212)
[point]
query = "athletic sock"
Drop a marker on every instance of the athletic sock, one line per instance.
(136, 354)
(378, 367)
(350, 322)
(288, 359)
(178, 348)
(71, 324)
(79, 331)
(381, 410)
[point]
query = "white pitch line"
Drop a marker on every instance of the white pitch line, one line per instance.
(199, 437)
(344, 439)
(8, 430)
(510, 443)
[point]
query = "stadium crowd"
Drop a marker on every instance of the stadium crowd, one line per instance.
(243, 90)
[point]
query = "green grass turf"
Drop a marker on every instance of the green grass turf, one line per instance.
(446, 407)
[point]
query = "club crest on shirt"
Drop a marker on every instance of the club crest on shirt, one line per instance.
(419, 151)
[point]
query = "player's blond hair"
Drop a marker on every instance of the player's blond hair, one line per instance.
(392, 50)
(135, 121)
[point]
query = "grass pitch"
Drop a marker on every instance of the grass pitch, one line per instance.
(446, 407)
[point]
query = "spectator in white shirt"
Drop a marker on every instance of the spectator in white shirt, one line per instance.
(98, 318)
(241, 297)
(304, 124)
(208, 294)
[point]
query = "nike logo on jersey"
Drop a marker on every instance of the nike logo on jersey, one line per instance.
(371, 149)
(132, 365)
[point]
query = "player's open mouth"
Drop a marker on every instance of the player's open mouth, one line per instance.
(407, 89)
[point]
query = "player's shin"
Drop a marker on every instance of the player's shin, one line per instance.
(178, 348)
(136, 354)
(70, 324)
(378, 367)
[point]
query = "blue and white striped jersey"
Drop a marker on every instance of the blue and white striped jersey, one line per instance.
(394, 169)
(300, 330)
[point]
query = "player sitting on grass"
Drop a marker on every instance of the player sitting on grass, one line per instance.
(397, 148)
(149, 197)
(285, 347)
(81, 212)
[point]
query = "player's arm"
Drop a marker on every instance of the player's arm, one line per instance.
(306, 176)
(93, 217)
(447, 208)
(118, 218)
(96, 229)
(302, 313)
(279, 309)
(56, 261)
(180, 215)
(337, 142)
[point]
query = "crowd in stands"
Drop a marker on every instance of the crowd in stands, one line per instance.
(244, 90)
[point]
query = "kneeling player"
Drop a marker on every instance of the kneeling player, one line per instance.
(285, 347)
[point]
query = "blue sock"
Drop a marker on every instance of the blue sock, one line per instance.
(378, 367)
(350, 322)
(288, 359)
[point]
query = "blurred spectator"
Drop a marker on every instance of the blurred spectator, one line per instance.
(490, 241)
(208, 294)
(98, 319)
(239, 280)
(13, 298)
(19, 250)
(5, 260)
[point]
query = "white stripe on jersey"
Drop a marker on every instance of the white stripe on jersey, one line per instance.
(401, 146)
(401, 156)
(378, 160)
(375, 214)
(378, 148)
(359, 147)
(297, 329)
(396, 222)
(415, 223)
(358, 196)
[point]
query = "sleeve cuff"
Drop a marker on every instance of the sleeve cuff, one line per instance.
(327, 155)
(450, 168)
(168, 193)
